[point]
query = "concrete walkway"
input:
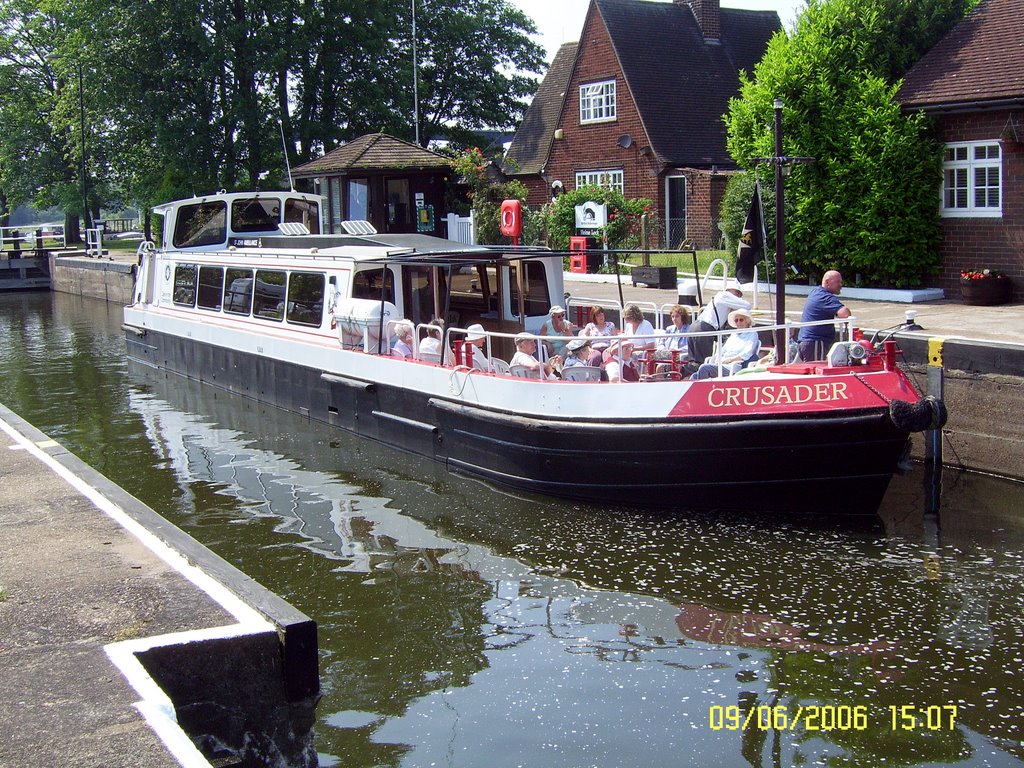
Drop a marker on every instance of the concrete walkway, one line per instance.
(85, 586)
(947, 318)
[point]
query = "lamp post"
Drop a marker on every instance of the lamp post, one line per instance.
(415, 80)
(86, 219)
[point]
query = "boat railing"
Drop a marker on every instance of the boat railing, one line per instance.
(582, 305)
(654, 364)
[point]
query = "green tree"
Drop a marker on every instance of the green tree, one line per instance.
(486, 196)
(186, 96)
(867, 205)
(474, 56)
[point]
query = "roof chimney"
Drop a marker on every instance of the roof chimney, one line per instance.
(707, 13)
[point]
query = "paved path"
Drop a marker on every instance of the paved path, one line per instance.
(947, 318)
(74, 581)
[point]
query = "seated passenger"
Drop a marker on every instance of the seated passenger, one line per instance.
(557, 325)
(714, 317)
(477, 336)
(526, 348)
(404, 331)
(598, 329)
(431, 343)
(636, 325)
(680, 317)
(577, 352)
(624, 370)
(739, 349)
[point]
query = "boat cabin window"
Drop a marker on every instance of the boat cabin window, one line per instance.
(185, 284)
(238, 291)
(306, 298)
(201, 224)
(268, 298)
(257, 214)
(366, 284)
(535, 289)
(419, 288)
(211, 287)
(473, 294)
(303, 212)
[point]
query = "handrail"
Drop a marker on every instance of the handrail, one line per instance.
(34, 236)
(845, 325)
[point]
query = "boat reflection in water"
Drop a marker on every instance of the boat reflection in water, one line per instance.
(457, 620)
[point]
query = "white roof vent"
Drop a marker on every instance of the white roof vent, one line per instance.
(358, 227)
(293, 228)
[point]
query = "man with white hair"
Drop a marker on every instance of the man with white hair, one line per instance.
(822, 304)
(526, 348)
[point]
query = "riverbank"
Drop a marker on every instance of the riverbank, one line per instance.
(126, 642)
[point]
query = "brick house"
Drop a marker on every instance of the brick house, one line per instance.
(972, 83)
(637, 104)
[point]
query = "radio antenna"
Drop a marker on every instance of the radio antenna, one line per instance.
(287, 165)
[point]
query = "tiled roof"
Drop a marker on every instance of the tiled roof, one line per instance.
(532, 143)
(372, 152)
(980, 60)
(680, 82)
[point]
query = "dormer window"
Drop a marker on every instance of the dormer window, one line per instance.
(597, 102)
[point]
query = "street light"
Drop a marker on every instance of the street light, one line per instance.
(86, 219)
(415, 80)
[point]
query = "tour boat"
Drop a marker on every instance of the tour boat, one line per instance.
(247, 294)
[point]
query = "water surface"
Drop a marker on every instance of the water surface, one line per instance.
(461, 625)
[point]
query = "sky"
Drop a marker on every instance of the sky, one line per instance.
(561, 21)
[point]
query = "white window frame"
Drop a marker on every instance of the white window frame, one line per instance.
(969, 168)
(598, 102)
(606, 178)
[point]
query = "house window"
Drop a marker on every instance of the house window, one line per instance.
(972, 180)
(609, 179)
(597, 102)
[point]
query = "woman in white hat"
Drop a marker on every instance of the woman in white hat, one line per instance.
(739, 349)
(577, 352)
(477, 336)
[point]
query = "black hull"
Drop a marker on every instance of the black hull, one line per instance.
(816, 463)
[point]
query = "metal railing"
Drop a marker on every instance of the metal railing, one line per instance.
(37, 238)
(653, 342)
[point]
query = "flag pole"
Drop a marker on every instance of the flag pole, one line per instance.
(780, 236)
(780, 162)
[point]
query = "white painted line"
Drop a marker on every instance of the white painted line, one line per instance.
(155, 707)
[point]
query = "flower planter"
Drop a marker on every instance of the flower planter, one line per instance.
(986, 292)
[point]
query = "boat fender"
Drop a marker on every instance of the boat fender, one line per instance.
(927, 413)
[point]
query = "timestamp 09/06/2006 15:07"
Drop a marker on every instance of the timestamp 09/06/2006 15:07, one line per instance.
(814, 717)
